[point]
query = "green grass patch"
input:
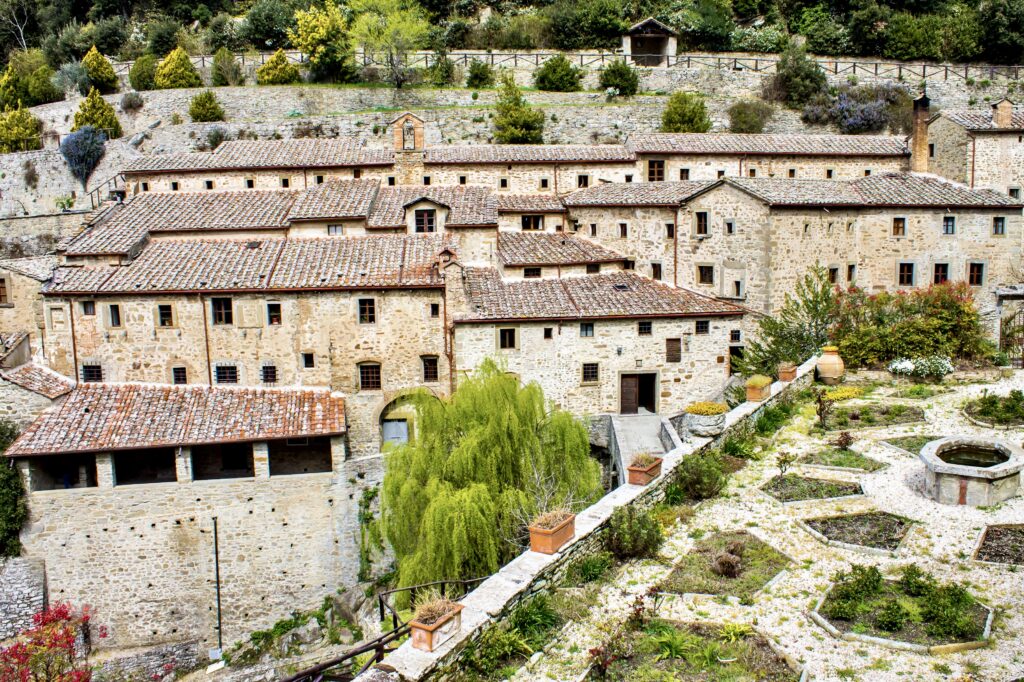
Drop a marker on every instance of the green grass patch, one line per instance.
(920, 391)
(912, 444)
(1002, 410)
(794, 488)
(696, 572)
(848, 459)
(873, 415)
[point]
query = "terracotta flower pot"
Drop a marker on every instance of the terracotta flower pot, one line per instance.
(756, 394)
(547, 541)
(787, 372)
(644, 475)
(430, 637)
(831, 368)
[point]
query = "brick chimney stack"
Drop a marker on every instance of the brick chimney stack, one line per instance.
(919, 136)
(1002, 114)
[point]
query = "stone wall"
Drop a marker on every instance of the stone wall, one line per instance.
(21, 405)
(35, 235)
(157, 663)
(22, 593)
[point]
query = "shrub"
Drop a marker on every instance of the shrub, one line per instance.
(442, 72)
(100, 72)
(797, 79)
(533, 619)
(947, 613)
(551, 519)
(215, 136)
(585, 24)
(13, 505)
(320, 33)
(277, 71)
(20, 131)
(701, 476)
(177, 71)
(844, 440)
(226, 69)
(142, 75)
(824, 34)
(933, 366)
(131, 101)
(590, 568)
(633, 534)
(620, 76)
(706, 408)
(83, 150)
(515, 122)
(749, 116)
(759, 39)
(221, 33)
(267, 24)
(861, 583)
(40, 88)
(685, 113)
(708, 26)
(841, 393)
(205, 108)
(916, 583)
(71, 77)
(162, 36)
(862, 109)
(892, 617)
(95, 112)
(759, 381)
(558, 75)
(481, 75)
(433, 608)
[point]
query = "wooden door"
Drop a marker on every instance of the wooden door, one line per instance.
(629, 394)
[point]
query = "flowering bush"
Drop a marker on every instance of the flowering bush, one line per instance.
(861, 109)
(707, 408)
(931, 366)
(47, 652)
(759, 39)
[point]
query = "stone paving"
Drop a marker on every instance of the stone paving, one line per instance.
(942, 542)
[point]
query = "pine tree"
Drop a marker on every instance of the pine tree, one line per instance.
(516, 122)
(204, 108)
(177, 71)
(101, 73)
(277, 71)
(457, 498)
(19, 131)
(685, 113)
(95, 112)
(142, 75)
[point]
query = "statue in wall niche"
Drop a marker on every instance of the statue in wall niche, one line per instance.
(408, 136)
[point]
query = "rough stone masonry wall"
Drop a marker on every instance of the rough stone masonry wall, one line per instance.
(530, 573)
(22, 594)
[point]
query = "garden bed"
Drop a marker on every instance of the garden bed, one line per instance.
(871, 415)
(665, 650)
(920, 391)
(793, 488)
(699, 573)
(843, 459)
(1002, 545)
(911, 444)
(876, 530)
(1006, 410)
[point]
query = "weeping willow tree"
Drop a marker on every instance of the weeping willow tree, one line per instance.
(457, 498)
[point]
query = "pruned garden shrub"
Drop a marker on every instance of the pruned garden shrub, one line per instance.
(685, 112)
(20, 131)
(480, 75)
(205, 108)
(83, 150)
(750, 116)
(95, 112)
(100, 71)
(177, 71)
(278, 71)
(558, 75)
(633, 534)
(701, 476)
(226, 69)
(620, 77)
(142, 75)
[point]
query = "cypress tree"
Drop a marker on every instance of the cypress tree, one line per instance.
(95, 112)
(516, 122)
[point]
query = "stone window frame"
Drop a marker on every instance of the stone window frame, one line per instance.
(175, 375)
(269, 374)
(697, 224)
(656, 170)
(588, 330)
(702, 327)
(684, 174)
(645, 327)
(286, 183)
(670, 230)
(593, 229)
(544, 183)
(91, 373)
(592, 368)
(851, 272)
(697, 273)
(58, 310)
(366, 310)
(949, 226)
(228, 367)
(427, 372)
(503, 183)
(1002, 226)
(501, 335)
(434, 310)
(735, 336)
(89, 308)
(208, 184)
(935, 272)
(657, 271)
(463, 179)
(113, 318)
(223, 317)
(335, 230)
(623, 230)
(318, 179)
(913, 273)
(367, 378)
(791, 173)
(145, 187)
(582, 180)
(158, 316)
(830, 173)
(833, 274)
(730, 226)
(983, 272)
(250, 183)
(593, 268)
(549, 333)
(308, 359)
(905, 227)
(1013, 192)
(271, 315)
(175, 185)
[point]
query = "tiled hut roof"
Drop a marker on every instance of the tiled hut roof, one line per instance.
(982, 120)
(336, 199)
(883, 189)
(636, 193)
(37, 267)
(529, 203)
(110, 417)
(611, 295)
(39, 379)
(756, 144)
(527, 153)
(527, 248)
(467, 206)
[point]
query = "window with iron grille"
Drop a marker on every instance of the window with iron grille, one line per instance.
(369, 377)
(165, 315)
(222, 313)
(673, 350)
(425, 219)
(735, 335)
(226, 374)
(643, 327)
(655, 170)
(92, 373)
(976, 274)
(702, 327)
(367, 311)
(179, 375)
(705, 274)
(268, 374)
(590, 373)
(430, 373)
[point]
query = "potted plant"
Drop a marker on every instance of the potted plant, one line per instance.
(644, 469)
(759, 387)
(706, 418)
(435, 621)
(787, 371)
(550, 530)
(831, 368)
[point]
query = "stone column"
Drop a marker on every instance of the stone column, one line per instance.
(25, 469)
(105, 475)
(339, 453)
(183, 465)
(261, 460)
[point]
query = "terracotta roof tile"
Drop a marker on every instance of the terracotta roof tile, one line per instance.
(636, 193)
(9, 341)
(336, 199)
(527, 248)
(527, 153)
(36, 267)
(108, 417)
(295, 153)
(981, 119)
(768, 144)
(467, 205)
(529, 203)
(39, 379)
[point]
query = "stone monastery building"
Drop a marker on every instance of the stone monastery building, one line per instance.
(237, 338)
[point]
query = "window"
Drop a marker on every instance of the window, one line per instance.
(593, 229)
(628, 264)
(670, 230)
(792, 172)
(531, 273)
(503, 183)
(273, 314)
(851, 272)
(655, 170)
(590, 373)
(702, 223)
(165, 315)
(208, 184)
(629, 177)
(533, 222)
(705, 274)
(752, 172)
(268, 374)
(367, 311)
(587, 329)
(684, 173)
(931, 150)
(721, 174)
(867, 172)
(506, 339)
(702, 327)
(391, 181)
(656, 271)
(735, 335)
(905, 277)
(92, 373)
(319, 179)
(335, 230)
(593, 268)
(463, 179)
(549, 333)
(623, 230)
(286, 183)
(88, 307)
(145, 187)
(999, 226)
(115, 315)
(249, 183)
(430, 373)
(369, 376)
(308, 360)
(899, 227)
(948, 224)
(222, 313)
(737, 288)
(543, 183)
(357, 173)
(976, 274)
(673, 350)
(1015, 192)
(829, 174)
(643, 327)
(582, 181)
(174, 186)
(426, 179)
(730, 227)
(226, 374)
(940, 273)
(435, 310)
(425, 219)
(179, 375)
(833, 275)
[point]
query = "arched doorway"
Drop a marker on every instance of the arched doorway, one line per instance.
(397, 422)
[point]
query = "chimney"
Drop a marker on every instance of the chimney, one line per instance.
(1002, 114)
(919, 136)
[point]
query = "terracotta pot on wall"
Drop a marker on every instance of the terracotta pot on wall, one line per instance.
(757, 394)
(429, 637)
(787, 371)
(550, 541)
(644, 475)
(831, 368)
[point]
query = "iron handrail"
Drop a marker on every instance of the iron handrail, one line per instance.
(384, 605)
(378, 645)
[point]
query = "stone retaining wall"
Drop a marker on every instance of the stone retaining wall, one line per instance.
(22, 594)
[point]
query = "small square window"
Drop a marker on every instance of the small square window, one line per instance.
(319, 179)
(179, 375)
(92, 373)
(226, 374)
(249, 183)
(549, 332)
(88, 307)
(643, 327)
(670, 230)
(145, 187)
(587, 329)
(829, 174)
(425, 220)
(544, 183)
(702, 327)
(593, 268)
(503, 183)
(506, 339)
(335, 230)
(391, 181)
(976, 274)
(426, 180)
(115, 315)
(628, 264)
(369, 377)
(357, 173)
(208, 184)
(590, 373)
(792, 172)
(308, 360)
(948, 224)
(286, 183)
(867, 172)
(367, 311)
(430, 373)
(582, 181)
(656, 170)
(268, 374)
(999, 226)
(165, 315)
(752, 172)
(531, 273)
(462, 179)
(174, 186)
(899, 227)
(273, 314)
(735, 335)
(435, 310)
(684, 173)
(705, 274)
(721, 174)
(1015, 192)
(222, 312)
(629, 177)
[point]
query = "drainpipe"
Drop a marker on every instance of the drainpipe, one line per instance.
(675, 249)
(206, 339)
(74, 344)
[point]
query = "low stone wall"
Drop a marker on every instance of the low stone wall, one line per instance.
(22, 594)
(36, 235)
(162, 662)
(531, 573)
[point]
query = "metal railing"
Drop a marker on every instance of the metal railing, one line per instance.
(444, 587)
(111, 184)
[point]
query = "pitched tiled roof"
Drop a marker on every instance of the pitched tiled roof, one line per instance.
(527, 153)
(39, 379)
(529, 203)
(108, 417)
(529, 248)
(981, 119)
(767, 144)
(611, 295)
(9, 341)
(336, 199)
(240, 154)
(36, 267)
(636, 193)
(467, 205)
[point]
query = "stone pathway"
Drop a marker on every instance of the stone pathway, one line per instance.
(941, 542)
(637, 433)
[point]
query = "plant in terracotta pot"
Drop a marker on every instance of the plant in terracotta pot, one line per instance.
(831, 368)
(644, 469)
(759, 387)
(787, 371)
(706, 418)
(435, 621)
(552, 529)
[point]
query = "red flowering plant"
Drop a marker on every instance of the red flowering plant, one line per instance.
(49, 650)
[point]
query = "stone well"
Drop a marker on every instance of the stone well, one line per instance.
(952, 478)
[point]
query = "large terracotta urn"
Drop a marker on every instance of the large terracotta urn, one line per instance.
(830, 366)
